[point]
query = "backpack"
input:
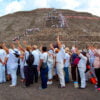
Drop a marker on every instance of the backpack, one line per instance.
(73, 57)
(30, 59)
(88, 67)
(76, 61)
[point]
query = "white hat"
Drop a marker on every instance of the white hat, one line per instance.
(16, 51)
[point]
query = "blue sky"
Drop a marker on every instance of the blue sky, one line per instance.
(11, 6)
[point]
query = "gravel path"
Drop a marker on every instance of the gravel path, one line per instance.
(51, 93)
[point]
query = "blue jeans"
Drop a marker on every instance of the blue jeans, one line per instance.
(66, 74)
(44, 77)
(28, 76)
(35, 73)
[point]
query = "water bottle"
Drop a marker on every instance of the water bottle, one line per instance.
(76, 84)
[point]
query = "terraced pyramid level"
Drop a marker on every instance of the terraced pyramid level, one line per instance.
(41, 26)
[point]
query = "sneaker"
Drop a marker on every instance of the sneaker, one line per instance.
(12, 85)
(40, 88)
(49, 82)
(81, 88)
(61, 86)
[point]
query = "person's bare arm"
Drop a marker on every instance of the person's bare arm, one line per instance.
(59, 42)
(25, 43)
(1, 61)
(39, 66)
(20, 46)
(51, 46)
(64, 61)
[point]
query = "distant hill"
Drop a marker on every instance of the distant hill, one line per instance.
(41, 26)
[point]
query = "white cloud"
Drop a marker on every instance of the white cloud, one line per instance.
(70, 4)
(91, 6)
(23, 4)
(14, 7)
(40, 3)
(94, 7)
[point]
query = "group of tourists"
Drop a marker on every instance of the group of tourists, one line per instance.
(49, 63)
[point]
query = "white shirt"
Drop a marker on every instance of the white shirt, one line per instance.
(26, 57)
(50, 57)
(67, 63)
(44, 57)
(82, 61)
(11, 57)
(36, 55)
(12, 60)
(3, 55)
(60, 56)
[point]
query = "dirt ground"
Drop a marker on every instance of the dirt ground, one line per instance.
(51, 93)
